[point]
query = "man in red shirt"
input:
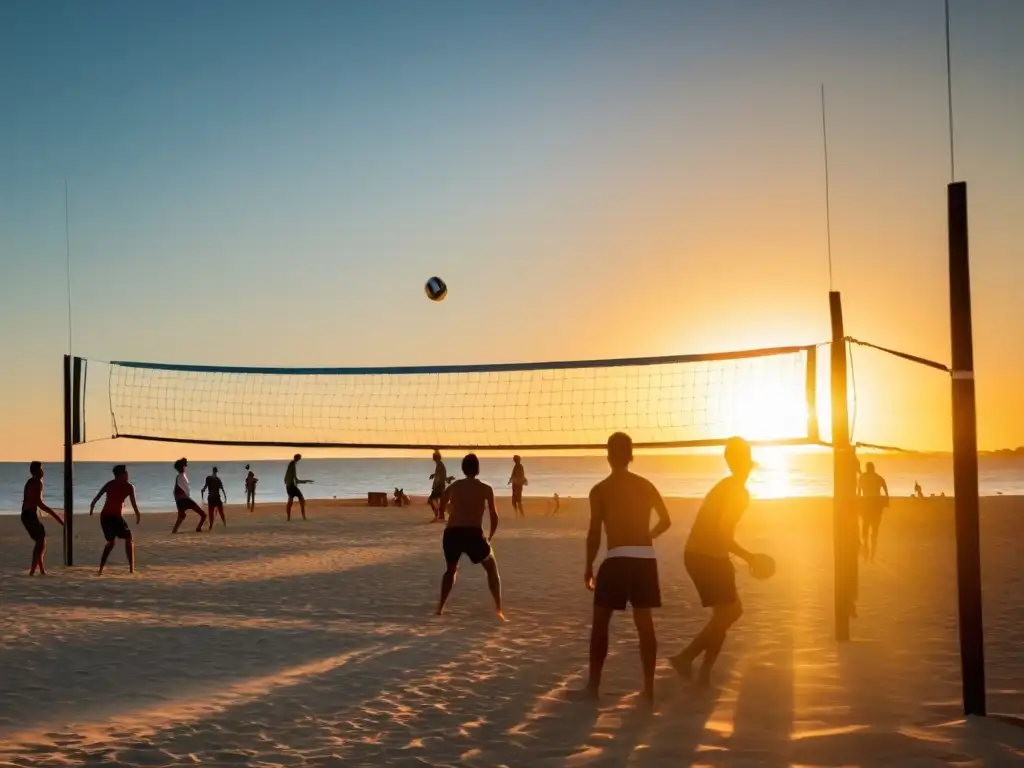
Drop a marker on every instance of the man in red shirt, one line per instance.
(31, 503)
(112, 515)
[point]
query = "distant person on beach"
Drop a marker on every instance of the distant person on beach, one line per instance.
(183, 497)
(706, 556)
(218, 494)
(440, 482)
(874, 495)
(555, 505)
(464, 534)
(291, 486)
(621, 506)
(250, 490)
(112, 515)
(31, 503)
(918, 491)
(517, 480)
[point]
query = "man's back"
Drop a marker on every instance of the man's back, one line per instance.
(468, 498)
(871, 484)
(624, 502)
(713, 529)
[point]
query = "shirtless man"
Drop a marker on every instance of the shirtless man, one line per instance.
(440, 481)
(31, 503)
(871, 488)
(517, 480)
(706, 557)
(291, 486)
(621, 505)
(112, 515)
(464, 534)
(215, 501)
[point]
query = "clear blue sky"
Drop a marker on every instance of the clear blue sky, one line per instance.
(271, 183)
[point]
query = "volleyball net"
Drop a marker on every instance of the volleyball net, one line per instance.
(767, 395)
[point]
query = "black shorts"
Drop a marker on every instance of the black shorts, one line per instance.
(185, 504)
(871, 509)
(214, 503)
(115, 527)
(436, 493)
(632, 580)
(465, 541)
(714, 578)
(294, 493)
(517, 494)
(34, 526)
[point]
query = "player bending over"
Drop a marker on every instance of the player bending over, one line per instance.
(183, 497)
(464, 534)
(112, 515)
(31, 503)
(291, 487)
(621, 505)
(706, 557)
(215, 501)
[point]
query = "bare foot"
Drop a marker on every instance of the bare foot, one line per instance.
(683, 667)
(501, 615)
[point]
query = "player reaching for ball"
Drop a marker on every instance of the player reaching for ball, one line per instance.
(706, 557)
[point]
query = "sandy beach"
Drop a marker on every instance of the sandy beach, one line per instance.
(313, 643)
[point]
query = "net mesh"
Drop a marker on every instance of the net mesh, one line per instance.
(659, 401)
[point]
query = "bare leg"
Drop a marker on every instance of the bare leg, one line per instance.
(644, 621)
(288, 509)
(129, 552)
(41, 546)
(37, 557)
(598, 653)
(178, 522)
(202, 518)
(107, 549)
(447, 582)
(724, 617)
(302, 508)
(876, 524)
(494, 583)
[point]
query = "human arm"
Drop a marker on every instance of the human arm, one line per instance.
(593, 538)
(135, 505)
(664, 521)
(493, 513)
(103, 490)
(43, 506)
(202, 492)
(885, 487)
(443, 503)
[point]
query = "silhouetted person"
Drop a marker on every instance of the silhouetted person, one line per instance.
(517, 480)
(440, 480)
(112, 515)
(31, 503)
(250, 490)
(183, 497)
(291, 487)
(707, 559)
(918, 491)
(874, 499)
(218, 494)
(621, 506)
(464, 534)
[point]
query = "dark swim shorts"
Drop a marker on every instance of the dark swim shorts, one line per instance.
(465, 541)
(632, 580)
(714, 578)
(34, 526)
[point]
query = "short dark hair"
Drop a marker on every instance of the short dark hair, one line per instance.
(180, 464)
(471, 465)
(620, 449)
(119, 469)
(298, 456)
(34, 467)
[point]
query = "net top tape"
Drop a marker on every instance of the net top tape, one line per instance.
(407, 370)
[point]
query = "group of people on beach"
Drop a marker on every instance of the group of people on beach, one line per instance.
(441, 480)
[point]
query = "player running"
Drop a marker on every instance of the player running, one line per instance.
(711, 542)
(517, 480)
(31, 503)
(871, 487)
(441, 480)
(464, 534)
(291, 486)
(215, 501)
(183, 497)
(621, 505)
(112, 515)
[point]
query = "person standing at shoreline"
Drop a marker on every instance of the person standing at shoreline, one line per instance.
(517, 480)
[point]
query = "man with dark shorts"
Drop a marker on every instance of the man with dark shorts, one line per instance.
(874, 498)
(32, 502)
(706, 557)
(621, 506)
(517, 480)
(441, 480)
(464, 534)
(291, 486)
(112, 515)
(215, 501)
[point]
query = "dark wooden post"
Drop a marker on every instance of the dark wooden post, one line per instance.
(69, 483)
(965, 456)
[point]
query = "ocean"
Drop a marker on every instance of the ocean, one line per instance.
(781, 474)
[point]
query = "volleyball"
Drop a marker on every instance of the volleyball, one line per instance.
(436, 289)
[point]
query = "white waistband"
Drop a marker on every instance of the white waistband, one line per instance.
(643, 553)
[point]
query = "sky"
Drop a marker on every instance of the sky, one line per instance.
(257, 183)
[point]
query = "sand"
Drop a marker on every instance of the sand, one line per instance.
(313, 643)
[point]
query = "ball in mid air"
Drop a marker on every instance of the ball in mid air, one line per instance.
(436, 289)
